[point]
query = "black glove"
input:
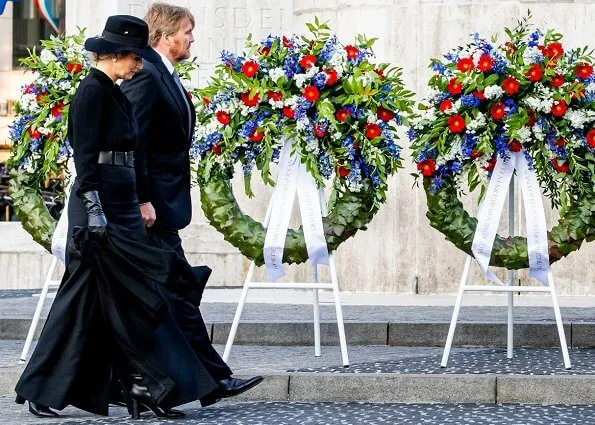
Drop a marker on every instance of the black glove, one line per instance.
(95, 218)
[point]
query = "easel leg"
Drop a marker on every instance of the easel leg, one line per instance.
(238, 315)
(510, 327)
(455, 313)
(559, 324)
(40, 303)
(340, 324)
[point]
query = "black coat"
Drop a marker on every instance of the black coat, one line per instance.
(162, 160)
(106, 310)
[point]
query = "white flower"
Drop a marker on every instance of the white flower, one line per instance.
(539, 104)
(276, 104)
(28, 102)
(312, 71)
(47, 56)
(276, 73)
(477, 122)
(523, 134)
(300, 80)
(532, 55)
(493, 92)
(64, 85)
(370, 117)
(302, 123)
(538, 132)
(578, 119)
(247, 110)
(338, 59)
(432, 95)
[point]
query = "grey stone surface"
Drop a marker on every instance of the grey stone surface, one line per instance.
(393, 388)
(275, 413)
(301, 333)
(583, 335)
(546, 389)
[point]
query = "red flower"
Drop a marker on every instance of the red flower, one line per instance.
(380, 73)
(39, 96)
(479, 95)
(189, 96)
(515, 146)
(287, 43)
(510, 48)
(445, 105)
(264, 50)
(275, 95)
(319, 130)
(288, 112)
(311, 93)
(591, 138)
(372, 130)
(307, 61)
(560, 143)
(510, 85)
(485, 63)
(384, 114)
(256, 135)
(223, 117)
(331, 76)
(427, 167)
(584, 70)
(534, 73)
(216, 149)
(559, 167)
(34, 133)
(465, 64)
(532, 118)
(249, 99)
(342, 171)
(206, 101)
(559, 108)
(554, 50)
(475, 154)
(454, 87)
(74, 67)
(352, 52)
(557, 80)
(250, 69)
(490, 165)
(456, 123)
(497, 111)
(57, 109)
(342, 114)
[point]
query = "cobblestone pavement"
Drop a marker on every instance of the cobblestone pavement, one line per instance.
(21, 304)
(274, 413)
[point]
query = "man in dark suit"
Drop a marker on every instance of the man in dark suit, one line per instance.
(166, 120)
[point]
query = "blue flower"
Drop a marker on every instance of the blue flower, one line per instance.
(324, 164)
(232, 60)
(510, 107)
(319, 80)
(469, 100)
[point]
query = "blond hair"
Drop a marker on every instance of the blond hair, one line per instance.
(164, 19)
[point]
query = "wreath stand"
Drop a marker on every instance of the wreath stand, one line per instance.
(314, 285)
(511, 288)
(43, 296)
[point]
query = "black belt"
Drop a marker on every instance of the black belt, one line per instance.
(116, 158)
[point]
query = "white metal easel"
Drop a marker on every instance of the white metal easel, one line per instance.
(49, 282)
(315, 285)
(511, 288)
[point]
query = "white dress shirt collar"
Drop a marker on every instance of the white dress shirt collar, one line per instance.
(166, 62)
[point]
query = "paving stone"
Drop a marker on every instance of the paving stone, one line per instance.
(546, 389)
(328, 414)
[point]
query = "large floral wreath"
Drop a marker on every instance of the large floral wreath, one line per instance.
(39, 133)
(526, 95)
(340, 110)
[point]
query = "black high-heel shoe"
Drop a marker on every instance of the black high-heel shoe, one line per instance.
(141, 397)
(38, 409)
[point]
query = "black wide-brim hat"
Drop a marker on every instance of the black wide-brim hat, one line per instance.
(124, 33)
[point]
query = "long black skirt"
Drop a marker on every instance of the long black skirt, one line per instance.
(107, 312)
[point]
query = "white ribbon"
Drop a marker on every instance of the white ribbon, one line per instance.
(293, 177)
(60, 236)
(490, 212)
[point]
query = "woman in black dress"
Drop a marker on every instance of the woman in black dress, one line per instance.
(106, 321)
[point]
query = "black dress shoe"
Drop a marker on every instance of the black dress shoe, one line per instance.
(42, 411)
(235, 386)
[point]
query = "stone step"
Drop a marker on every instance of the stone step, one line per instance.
(401, 375)
(526, 334)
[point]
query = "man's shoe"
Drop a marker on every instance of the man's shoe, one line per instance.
(42, 411)
(228, 388)
(235, 386)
